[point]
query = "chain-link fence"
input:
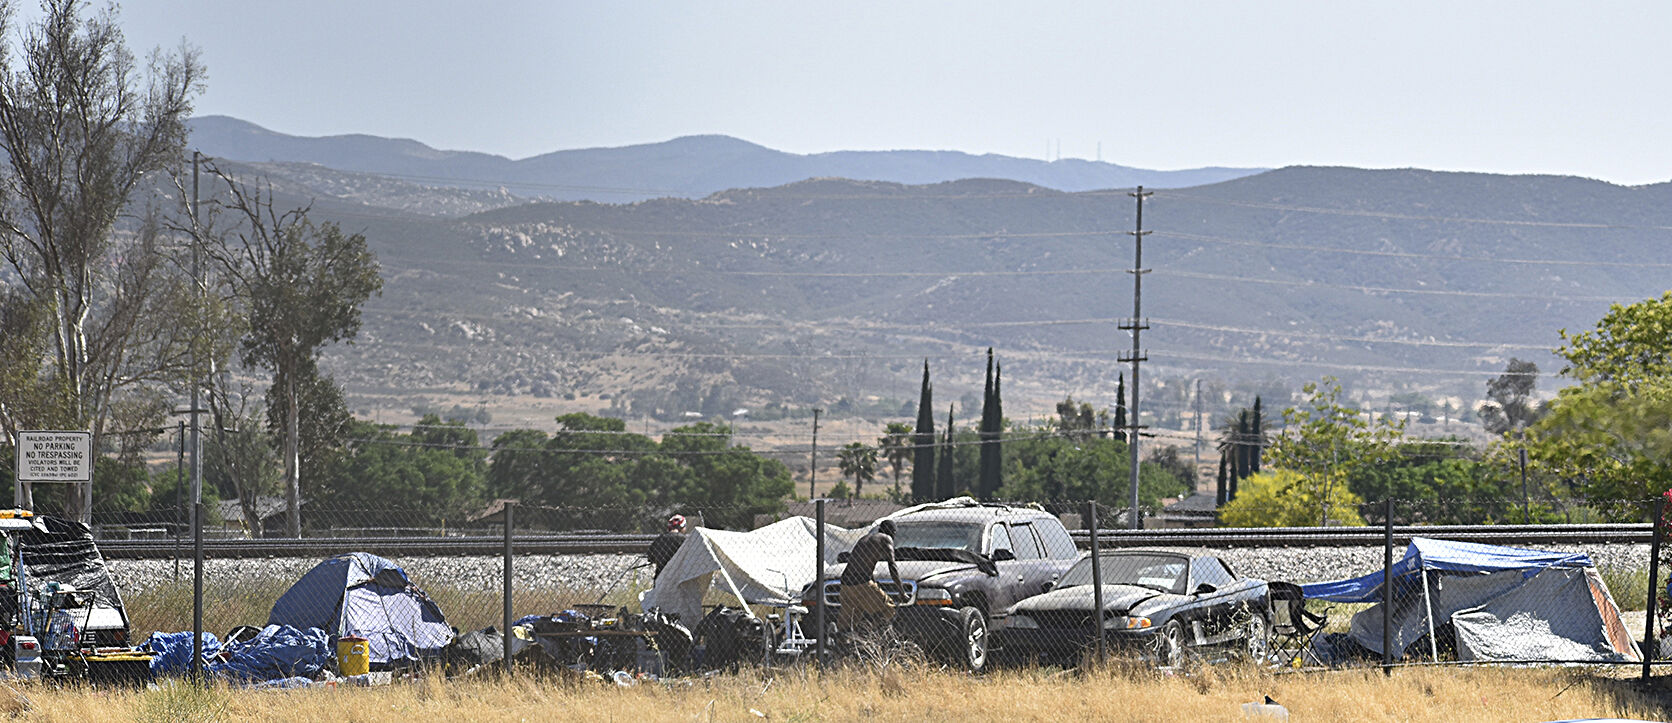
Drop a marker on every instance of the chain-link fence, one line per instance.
(961, 584)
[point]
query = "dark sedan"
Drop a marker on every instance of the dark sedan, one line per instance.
(1164, 603)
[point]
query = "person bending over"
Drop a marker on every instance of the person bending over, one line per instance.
(865, 607)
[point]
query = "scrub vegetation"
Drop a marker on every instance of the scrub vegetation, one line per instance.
(902, 693)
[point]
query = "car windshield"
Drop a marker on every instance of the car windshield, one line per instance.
(938, 535)
(1157, 572)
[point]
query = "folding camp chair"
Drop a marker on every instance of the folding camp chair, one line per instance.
(1293, 628)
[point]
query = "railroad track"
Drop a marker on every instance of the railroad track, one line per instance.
(635, 544)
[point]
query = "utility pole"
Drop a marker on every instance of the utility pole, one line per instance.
(813, 470)
(197, 280)
(1136, 325)
(197, 448)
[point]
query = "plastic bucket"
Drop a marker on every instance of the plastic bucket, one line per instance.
(354, 655)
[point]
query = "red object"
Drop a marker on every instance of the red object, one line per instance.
(27, 645)
(5, 637)
(677, 522)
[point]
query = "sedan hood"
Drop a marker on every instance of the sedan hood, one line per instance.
(1116, 598)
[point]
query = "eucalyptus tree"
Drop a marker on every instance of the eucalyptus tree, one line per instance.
(302, 285)
(82, 126)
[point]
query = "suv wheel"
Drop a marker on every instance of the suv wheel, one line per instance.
(972, 643)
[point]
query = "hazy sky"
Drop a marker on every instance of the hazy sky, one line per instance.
(1508, 87)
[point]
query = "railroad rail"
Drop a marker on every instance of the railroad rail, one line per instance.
(637, 544)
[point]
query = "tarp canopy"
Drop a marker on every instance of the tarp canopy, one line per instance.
(768, 566)
(1494, 603)
(63, 551)
(361, 594)
(1426, 553)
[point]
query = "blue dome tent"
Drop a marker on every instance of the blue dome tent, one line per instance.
(361, 594)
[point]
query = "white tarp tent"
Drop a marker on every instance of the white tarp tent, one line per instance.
(768, 566)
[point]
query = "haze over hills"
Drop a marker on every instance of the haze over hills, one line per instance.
(688, 167)
(823, 289)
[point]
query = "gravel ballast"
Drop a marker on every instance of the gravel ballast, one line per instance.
(595, 572)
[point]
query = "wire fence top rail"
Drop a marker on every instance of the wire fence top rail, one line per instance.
(531, 542)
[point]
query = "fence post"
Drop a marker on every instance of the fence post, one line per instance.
(506, 583)
(197, 591)
(1650, 648)
(179, 498)
(1096, 583)
(818, 587)
(1387, 587)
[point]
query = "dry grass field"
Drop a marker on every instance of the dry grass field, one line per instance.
(903, 694)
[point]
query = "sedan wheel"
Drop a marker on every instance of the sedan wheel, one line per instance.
(1257, 639)
(1166, 647)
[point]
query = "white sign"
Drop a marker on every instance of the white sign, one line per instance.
(54, 457)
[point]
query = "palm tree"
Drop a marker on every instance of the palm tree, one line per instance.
(860, 460)
(897, 447)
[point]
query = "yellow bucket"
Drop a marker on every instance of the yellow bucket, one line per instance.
(354, 655)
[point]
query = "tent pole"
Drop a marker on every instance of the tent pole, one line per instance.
(1651, 648)
(732, 586)
(1428, 602)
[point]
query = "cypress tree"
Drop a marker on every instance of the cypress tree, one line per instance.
(1220, 489)
(1243, 444)
(985, 432)
(923, 457)
(1259, 438)
(1120, 409)
(1231, 488)
(987, 480)
(998, 430)
(944, 486)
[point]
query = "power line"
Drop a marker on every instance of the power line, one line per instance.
(1070, 355)
(1382, 290)
(1348, 367)
(1407, 254)
(1179, 273)
(836, 325)
(1409, 217)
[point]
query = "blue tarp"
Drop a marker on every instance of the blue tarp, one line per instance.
(278, 651)
(1426, 553)
(361, 594)
(174, 651)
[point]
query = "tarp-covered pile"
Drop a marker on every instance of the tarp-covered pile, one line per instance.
(1502, 603)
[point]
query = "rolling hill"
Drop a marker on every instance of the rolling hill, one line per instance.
(830, 289)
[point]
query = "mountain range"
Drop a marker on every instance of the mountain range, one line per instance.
(817, 289)
(688, 167)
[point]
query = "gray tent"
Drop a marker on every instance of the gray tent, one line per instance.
(1502, 603)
